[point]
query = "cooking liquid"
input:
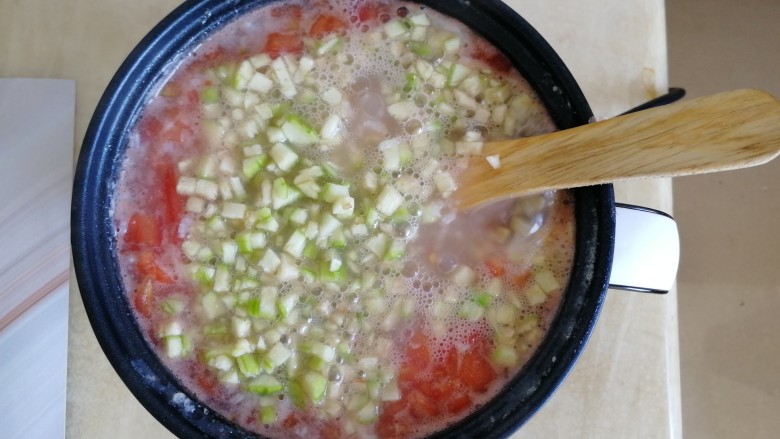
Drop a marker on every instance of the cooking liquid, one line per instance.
(539, 228)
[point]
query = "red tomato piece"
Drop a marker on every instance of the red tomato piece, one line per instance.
(496, 60)
(496, 267)
(142, 231)
(172, 201)
(149, 129)
(389, 410)
(147, 267)
(279, 43)
(476, 372)
(193, 98)
(522, 279)
(369, 11)
(206, 380)
(440, 387)
(452, 359)
(287, 11)
(174, 127)
(143, 298)
(392, 423)
(420, 406)
(325, 25)
(291, 421)
(331, 430)
(458, 403)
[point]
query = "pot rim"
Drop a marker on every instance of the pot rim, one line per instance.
(93, 240)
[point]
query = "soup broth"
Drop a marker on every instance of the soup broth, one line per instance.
(285, 235)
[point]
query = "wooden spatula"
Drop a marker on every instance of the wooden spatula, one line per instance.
(730, 130)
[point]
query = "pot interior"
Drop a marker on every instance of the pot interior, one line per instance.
(93, 228)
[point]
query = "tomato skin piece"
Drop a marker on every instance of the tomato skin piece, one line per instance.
(142, 232)
(143, 298)
(325, 25)
(148, 268)
(279, 43)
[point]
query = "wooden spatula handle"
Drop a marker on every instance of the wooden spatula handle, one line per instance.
(725, 131)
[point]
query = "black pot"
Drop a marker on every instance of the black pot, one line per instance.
(94, 242)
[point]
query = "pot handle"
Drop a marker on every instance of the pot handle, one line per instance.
(647, 250)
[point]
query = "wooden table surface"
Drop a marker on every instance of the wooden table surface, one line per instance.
(626, 384)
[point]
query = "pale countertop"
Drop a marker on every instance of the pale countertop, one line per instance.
(626, 383)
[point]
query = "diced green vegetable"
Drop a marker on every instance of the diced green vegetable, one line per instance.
(298, 131)
(402, 110)
(463, 276)
(314, 385)
(528, 323)
(212, 306)
(172, 306)
(444, 183)
(260, 83)
(210, 95)
(283, 78)
(395, 28)
(177, 346)
(471, 311)
(377, 244)
(458, 73)
(332, 192)
(396, 250)
(270, 261)
(268, 414)
(284, 156)
(535, 295)
(482, 299)
(253, 165)
(283, 194)
(368, 414)
(547, 281)
(248, 365)
(328, 224)
(505, 356)
(288, 269)
(505, 314)
(331, 127)
(389, 200)
(264, 385)
(286, 304)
